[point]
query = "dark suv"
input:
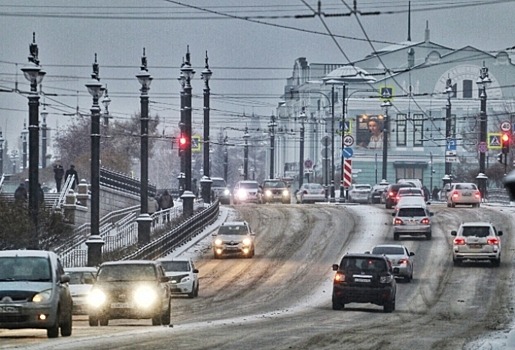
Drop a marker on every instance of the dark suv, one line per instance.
(390, 195)
(132, 289)
(364, 278)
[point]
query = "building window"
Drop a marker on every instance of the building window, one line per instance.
(467, 88)
(418, 130)
(400, 130)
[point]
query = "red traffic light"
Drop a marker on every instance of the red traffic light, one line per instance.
(505, 138)
(182, 141)
(505, 143)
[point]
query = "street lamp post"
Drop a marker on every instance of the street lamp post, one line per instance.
(34, 74)
(483, 82)
(386, 104)
(302, 118)
(271, 127)
(246, 154)
(448, 132)
(205, 182)
(342, 157)
(96, 90)
(1, 152)
(332, 144)
(24, 142)
(106, 101)
(144, 220)
(226, 159)
(44, 129)
(188, 196)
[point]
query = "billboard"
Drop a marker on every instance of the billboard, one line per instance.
(369, 131)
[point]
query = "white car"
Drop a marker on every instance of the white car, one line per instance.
(81, 282)
(310, 193)
(400, 257)
(233, 238)
(476, 241)
(183, 276)
(358, 193)
(463, 193)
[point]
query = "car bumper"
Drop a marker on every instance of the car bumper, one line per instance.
(377, 296)
(401, 271)
(412, 230)
(123, 310)
(17, 316)
(181, 288)
(476, 255)
(236, 250)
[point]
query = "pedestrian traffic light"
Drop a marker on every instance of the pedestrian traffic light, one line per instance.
(500, 158)
(505, 143)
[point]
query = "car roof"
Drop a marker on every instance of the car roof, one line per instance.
(130, 262)
(390, 245)
(477, 223)
(80, 269)
(234, 223)
(364, 255)
(175, 259)
(23, 253)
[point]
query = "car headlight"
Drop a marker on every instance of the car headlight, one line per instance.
(96, 298)
(242, 194)
(227, 192)
(42, 297)
(218, 241)
(286, 193)
(268, 193)
(247, 241)
(185, 279)
(145, 296)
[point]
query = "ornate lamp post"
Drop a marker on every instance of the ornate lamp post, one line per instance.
(303, 119)
(448, 132)
(206, 180)
(96, 90)
(271, 128)
(246, 137)
(44, 129)
(188, 196)
(144, 219)
(342, 146)
(34, 74)
(386, 104)
(483, 82)
(24, 142)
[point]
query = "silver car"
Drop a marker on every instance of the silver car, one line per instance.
(34, 292)
(81, 282)
(233, 238)
(310, 193)
(476, 241)
(400, 257)
(358, 193)
(412, 220)
(220, 190)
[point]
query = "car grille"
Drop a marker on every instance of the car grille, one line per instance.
(13, 318)
(17, 295)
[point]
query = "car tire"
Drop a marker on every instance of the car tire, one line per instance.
(53, 331)
(428, 236)
(93, 321)
(196, 290)
(453, 205)
(165, 317)
(395, 236)
(191, 295)
(103, 321)
(338, 306)
(156, 320)
(457, 262)
(496, 262)
(389, 306)
(66, 326)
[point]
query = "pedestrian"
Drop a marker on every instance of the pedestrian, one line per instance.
(153, 205)
(165, 203)
(41, 195)
(426, 193)
(21, 195)
(72, 172)
(436, 190)
(58, 176)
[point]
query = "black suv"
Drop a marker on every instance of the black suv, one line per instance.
(364, 278)
(390, 195)
(132, 289)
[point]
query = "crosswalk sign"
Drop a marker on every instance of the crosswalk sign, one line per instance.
(196, 145)
(386, 93)
(494, 140)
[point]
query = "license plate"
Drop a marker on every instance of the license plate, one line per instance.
(120, 305)
(366, 280)
(466, 194)
(9, 309)
(475, 246)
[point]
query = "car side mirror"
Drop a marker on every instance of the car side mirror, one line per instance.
(213, 234)
(335, 267)
(393, 214)
(454, 233)
(431, 214)
(195, 270)
(499, 233)
(411, 254)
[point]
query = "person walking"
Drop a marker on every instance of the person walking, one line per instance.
(166, 202)
(72, 172)
(58, 176)
(436, 191)
(21, 194)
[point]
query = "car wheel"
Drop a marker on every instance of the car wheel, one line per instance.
(53, 332)
(428, 236)
(66, 326)
(389, 306)
(196, 290)
(453, 205)
(457, 262)
(338, 306)
(496, 262)
(93, 321)
(448, 205)
(192, 294)
(165, 317)
(104, 321)
(395, 236)
(156, 320)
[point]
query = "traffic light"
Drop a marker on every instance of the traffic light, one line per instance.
(505, 143)
(500, 158)
(183, 143)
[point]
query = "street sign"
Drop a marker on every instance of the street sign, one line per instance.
(451, 159)
(326, 140)
(347, 152)
(326, 153)
(196, 145)
(494, 140)
(348, 140)
(482, 148)
(505, 126)
(347, 172)
(308, 163)
(451, 144)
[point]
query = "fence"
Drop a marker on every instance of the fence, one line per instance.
(123, 182)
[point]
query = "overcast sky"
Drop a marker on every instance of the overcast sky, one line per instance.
(252, 46)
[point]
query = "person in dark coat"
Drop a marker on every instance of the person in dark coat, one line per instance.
(21, 194)
(58, 176)
(71, 171)
(165, 201)
(41, 195)
(436, 191)
(426, 193)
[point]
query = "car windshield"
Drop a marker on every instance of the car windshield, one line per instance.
(477, 231)
(26, 268)
(411, 212)
(175, 266)
(218, 183)
(362, 187)
(232, 230)
(127, 272)
(314, 187)
(388, 250)
(81, 277)
(274, 184)
(362, 264)
(249, 185)
(465, 187)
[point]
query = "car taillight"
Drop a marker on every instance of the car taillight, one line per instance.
(459, 241)
(391, 194)
(397, 221)
(455, 194)
(403, 261)
(339, 277)
(425, 221)
(492, 240)
(477, 194)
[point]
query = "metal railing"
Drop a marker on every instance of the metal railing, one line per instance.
(68, 183)
(123, 182)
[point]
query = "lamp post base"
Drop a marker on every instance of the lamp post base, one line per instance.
(144, 222)
(187, 204)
